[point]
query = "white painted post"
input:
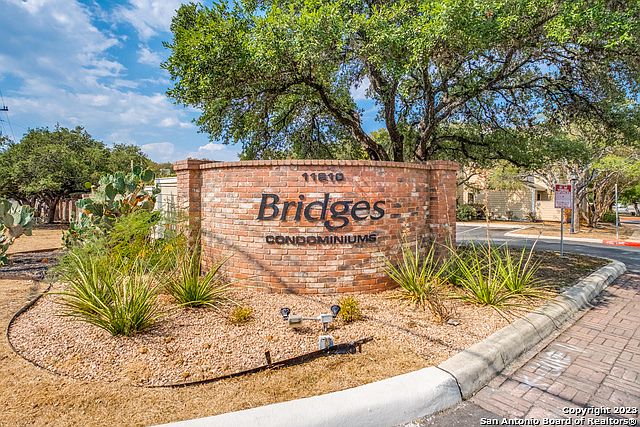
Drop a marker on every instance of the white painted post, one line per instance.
(561, 231)
(617, 214)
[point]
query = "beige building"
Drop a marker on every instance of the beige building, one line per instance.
(533, 196)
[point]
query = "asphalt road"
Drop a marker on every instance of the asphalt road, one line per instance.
(626, 254)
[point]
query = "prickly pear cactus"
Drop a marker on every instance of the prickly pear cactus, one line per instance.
(15, 220)
(115, 195)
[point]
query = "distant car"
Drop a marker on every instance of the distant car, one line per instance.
(624, 209)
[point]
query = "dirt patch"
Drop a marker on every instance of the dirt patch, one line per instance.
(560, 272)
(193, 341)
(48, 238)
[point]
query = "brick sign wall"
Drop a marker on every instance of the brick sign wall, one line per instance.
(315, 226)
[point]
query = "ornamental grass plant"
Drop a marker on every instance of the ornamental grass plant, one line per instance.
(191, 288)
(499, 277)
(99, 294)
(422, 279)
(475, 272)
(496, 277)
(112, 279)
(518, 270)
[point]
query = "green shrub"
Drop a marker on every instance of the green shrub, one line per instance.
(422, 279)
(608, 217)
(131, 239)
(191, 288)
(103, 296)
(349, 309)
(241, 315)
(466, 213)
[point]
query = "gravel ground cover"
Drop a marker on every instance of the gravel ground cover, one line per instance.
(193, 344)
(196, 344)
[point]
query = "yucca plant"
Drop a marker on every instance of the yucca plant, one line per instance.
(101, 295)
(422, 279)
(495, 277)
(476, 275)
(191, 288)
(519, 271)
(134, 305)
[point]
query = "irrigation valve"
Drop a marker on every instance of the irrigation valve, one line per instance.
(295, 321)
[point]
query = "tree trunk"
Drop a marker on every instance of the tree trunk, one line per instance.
(52, 205)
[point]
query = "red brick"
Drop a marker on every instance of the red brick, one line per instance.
(224, 198)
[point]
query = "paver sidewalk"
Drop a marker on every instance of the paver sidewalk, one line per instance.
(595, 363)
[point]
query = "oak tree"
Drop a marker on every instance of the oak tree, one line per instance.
(449, 78)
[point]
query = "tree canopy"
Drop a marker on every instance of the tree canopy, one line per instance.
(449, 78)
(49, 164)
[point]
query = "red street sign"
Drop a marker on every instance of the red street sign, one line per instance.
(562, 198)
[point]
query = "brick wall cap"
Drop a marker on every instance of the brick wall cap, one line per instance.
(191, 164)
(208, 164)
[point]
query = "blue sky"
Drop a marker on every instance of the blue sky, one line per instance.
(97, 64)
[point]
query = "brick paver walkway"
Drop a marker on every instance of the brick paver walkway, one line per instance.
(594, 363)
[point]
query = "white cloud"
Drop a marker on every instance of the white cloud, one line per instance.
(359, 91)
(160, 151)
(211, 151)
(148, 57)
(69, 76)
(55, 38)
(56, 66)
(211, 147)
(149, 17)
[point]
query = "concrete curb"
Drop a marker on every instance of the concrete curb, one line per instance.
(633, 243)
(542, 237)
(424, 392)
(382, 403)
(477, 365)
(493, 225)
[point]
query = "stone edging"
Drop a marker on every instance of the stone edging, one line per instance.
(404, 398)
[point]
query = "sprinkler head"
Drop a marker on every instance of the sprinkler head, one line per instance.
(335, 309)
(285, 311)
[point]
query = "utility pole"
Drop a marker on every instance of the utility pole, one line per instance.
(4, 109)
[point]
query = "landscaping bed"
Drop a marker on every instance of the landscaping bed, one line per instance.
(196, 344)
(30, 395)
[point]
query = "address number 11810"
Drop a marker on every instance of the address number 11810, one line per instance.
(323, 177)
